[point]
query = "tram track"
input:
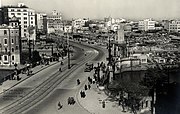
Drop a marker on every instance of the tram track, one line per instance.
(39, 93)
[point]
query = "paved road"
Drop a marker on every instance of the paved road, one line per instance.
(65, 89)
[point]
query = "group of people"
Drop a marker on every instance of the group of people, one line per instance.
(70, 101)
(86, 87)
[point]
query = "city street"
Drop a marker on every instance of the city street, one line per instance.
(89, 57)
(65, 85)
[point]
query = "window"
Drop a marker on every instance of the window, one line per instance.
(12, 41)
(18, 13)
(12, 49)
(12, 14)
(18, 10)
(5, 58)
(12, 57)
(25, 26)
(24, 10)
(16, 47)
(31, 18)
(25, 18)
(6, 50)
(12, 9)
(18, 18)
(31, 22)
(24, 13)
(25, 22)
(5, 41)
(5, 32)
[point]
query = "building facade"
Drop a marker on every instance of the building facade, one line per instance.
(174, 26)
(40, 21)
(10, 45)
(147, 24)
(54, 22)
(25, 15)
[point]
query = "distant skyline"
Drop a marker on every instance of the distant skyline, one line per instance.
(98, 9)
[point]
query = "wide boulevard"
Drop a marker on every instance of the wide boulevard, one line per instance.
(41, 93)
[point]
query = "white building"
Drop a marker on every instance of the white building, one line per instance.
(25, 15)
(120, 35)
(79, 23)
(39, 20)
(174, 26)
(54, 21)
(147, 24)
(68, 28)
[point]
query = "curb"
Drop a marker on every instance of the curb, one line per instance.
(76, 95)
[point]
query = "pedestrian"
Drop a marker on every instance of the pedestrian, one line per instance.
(85, 87)
(91, 80)
(62, 63)
(84, 94)
(78, 81)
(89, 86)
(60, 105)
(103, 104)
(60, 69)
(81, 93)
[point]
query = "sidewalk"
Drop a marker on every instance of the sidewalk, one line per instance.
(11, 83)
(93, 102)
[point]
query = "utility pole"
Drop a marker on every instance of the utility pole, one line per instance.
(109, 49)
(68, 51)
(29, 49)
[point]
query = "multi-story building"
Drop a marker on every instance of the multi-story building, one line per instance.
(147, 24)
(10, 43)
(40, 17)
(54, 22)
(174, 26)
(25, 15)
(79, 23)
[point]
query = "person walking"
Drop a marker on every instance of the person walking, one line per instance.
(59, 105)
(78, 82)
(60, 69)
(85, 87)
(89, 86)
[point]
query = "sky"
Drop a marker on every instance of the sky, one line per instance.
(98, 9)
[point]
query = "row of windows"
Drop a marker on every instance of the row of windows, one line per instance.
(5, 32)
(6, 41)
(19, 10)
(12, 49)
(6, 58)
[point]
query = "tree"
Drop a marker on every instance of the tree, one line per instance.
(36, 57)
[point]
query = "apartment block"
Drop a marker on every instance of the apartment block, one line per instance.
(147, 24)
(25, 15)
(10, 44)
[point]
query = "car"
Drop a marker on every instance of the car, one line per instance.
(88, 67)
